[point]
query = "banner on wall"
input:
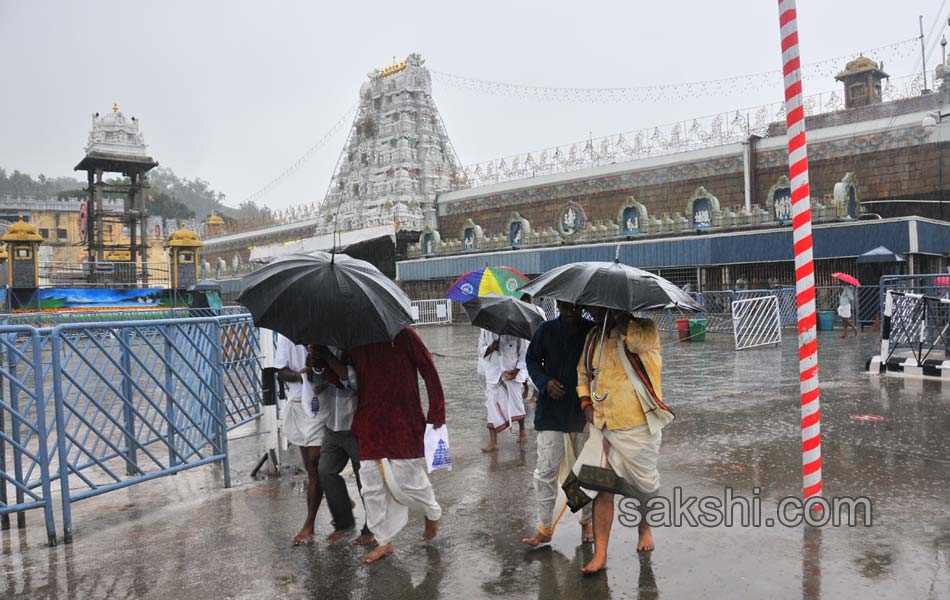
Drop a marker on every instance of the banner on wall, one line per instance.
(76, 299)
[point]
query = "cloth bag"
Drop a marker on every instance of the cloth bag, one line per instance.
(437, 448)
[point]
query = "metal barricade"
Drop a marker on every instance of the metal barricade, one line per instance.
(918, 323)
(146, 396)
(96, 407)
(24, 428)
(241, 369)
(432, 312)
(756, 322)
(869, 307)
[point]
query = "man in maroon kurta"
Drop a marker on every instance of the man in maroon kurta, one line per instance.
(389, 426)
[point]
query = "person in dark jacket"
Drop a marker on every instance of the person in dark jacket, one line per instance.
(551, 360)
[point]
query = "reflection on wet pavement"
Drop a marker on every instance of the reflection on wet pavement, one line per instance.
(737, 426)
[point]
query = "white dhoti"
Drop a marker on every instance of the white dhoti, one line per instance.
(631, 453)
(390, 488)
(556, 456)
(301, 429)
(504, 403)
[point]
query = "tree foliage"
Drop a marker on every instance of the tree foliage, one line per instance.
(173, 197)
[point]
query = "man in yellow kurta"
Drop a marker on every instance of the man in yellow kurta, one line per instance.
(626, 413)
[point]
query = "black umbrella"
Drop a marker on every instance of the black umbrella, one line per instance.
(503, 315)
(319, 298)
(609, 285)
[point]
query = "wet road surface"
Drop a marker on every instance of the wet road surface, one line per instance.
(737, 426)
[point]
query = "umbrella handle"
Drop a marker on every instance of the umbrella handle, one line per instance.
(600, 357)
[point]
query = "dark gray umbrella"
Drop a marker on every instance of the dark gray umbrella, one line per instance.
(609, 285)
(503, 315)
(319, 298)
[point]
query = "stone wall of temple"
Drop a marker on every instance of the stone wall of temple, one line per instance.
(901, 163)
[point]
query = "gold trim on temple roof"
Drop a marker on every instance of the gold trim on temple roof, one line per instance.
(393, 69)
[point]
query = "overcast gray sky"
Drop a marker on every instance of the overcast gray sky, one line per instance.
(234, 92)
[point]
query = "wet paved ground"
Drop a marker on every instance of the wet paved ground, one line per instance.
(186, 537)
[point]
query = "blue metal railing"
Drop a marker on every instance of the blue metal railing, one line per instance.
(24, 403)
(99, 406)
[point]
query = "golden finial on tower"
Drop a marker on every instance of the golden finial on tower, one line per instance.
(115, 107)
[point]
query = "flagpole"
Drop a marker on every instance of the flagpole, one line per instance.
(804, 260)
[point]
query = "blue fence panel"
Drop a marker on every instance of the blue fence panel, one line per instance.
(98, 406)
(241, 369)
(24, 449)
(143, 397)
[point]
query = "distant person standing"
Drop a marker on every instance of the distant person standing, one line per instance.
(303, 427)
(846, 302)
(552, 359)
(505, 374)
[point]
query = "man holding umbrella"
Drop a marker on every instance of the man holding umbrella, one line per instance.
(618, 382)
(335, 300)
(619, 386)
(506, 325)
(505, 376)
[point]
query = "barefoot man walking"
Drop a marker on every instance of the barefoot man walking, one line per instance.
(505, 375)
(389, 426)
(627, 414)
(301, 427)
(552, 364)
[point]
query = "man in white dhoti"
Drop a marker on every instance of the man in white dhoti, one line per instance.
(505, 375)
(627, 414)
(303, 426)
(389, 426)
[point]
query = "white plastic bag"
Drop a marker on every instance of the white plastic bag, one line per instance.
(437, 448)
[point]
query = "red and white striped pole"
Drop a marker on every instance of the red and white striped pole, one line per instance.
(804, 264)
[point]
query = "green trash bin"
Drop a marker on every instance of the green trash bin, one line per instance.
(697, 330)
(826, 320)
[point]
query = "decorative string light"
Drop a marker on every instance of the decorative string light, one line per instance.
(738, 84)
(302, 160)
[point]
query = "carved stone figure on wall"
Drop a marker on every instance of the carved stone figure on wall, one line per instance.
(846, 196)
(701, 207)
(779, 200)
(571, 220)
(632, 217)
(518, 230)
(429, 241)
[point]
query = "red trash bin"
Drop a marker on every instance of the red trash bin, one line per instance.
(682, 328)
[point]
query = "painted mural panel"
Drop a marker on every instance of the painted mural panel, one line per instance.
(70, 299)
(782, 205)
(702, 213)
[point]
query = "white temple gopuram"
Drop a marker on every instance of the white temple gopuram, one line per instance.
(397, 157)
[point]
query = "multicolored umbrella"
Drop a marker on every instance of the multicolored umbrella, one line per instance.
(846, 278)
(501, 281)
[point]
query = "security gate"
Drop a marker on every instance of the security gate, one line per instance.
(756, 322)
